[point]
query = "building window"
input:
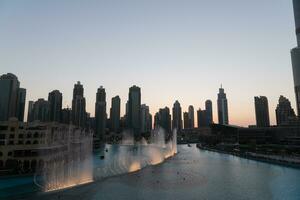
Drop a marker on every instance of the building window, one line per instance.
(12, 129)
(9, 153)
(20, 142)
(29, 135)
(21, 136)
(11, 142)
(1, 154)
(35, 142)
(36, 135)
(28, 142)
(11, 136)
(2, 136)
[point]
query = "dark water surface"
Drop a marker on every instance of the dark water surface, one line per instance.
(191, 174)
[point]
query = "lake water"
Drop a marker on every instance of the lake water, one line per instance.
(191, 174)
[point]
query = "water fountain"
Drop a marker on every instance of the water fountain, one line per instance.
(133, 156)
(68, 161)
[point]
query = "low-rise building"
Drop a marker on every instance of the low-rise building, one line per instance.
(25, 147)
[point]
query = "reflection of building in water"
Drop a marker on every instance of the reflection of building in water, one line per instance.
(25, 147)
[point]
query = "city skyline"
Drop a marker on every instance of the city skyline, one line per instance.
(247, 60)
(137, 116)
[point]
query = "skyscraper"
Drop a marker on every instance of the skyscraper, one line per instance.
(78, 106)
(30, 111)
(41, 110)
(209, 112)
(21, 100)
(186, 120)
(177, 116)
(295, 54)
(222, 107)
(134, 110)
(163, 119)
(202, 118)
(100, 113)
(115, 113)
(146, 119)
(55, 102)
(12, 98)
(284, 111)
(156, 120)
(66, 115)
(262, 111)
(191, 117)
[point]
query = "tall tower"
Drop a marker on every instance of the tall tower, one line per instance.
(209, 112)
(21, 100)
(134, 110)
(222, 107)
(55, 102)
(284, 111)
(177, 116)
(78, 106)
(100, 113)
(202, 118)
(186, 120)
(191, 117)
(41, 110)
(295, 54)
(146, 119)
(115, 113)
(262, 111)
(30, 111)
(12, 98)
(164, 120)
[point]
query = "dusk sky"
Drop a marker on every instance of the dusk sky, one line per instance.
(173, 49)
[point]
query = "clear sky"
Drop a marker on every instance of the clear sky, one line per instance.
(172, 49)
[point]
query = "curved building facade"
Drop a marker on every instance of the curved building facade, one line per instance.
(295, 54)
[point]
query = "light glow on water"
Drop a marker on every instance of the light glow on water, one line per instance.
(135, 166)
(63, 185)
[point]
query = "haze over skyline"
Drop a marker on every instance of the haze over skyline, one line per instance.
(173, 50)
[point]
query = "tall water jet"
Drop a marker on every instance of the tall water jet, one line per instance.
(132, 156)
(68, 159)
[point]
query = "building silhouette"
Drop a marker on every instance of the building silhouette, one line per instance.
(202, 118)
(41, 109)
(66, 116)
(30, 111)
(222, 107)
(177, 116)
(78, 106)
(55, 102)
(100, 113)
(146, 119)
(12, 98)
(209, 112)
(186, 120)
(115, 113)
(163, 120)
(295, 54)
(191, 117)
(21, 100)
(262, 111)
(134, 110)
(284, 111)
